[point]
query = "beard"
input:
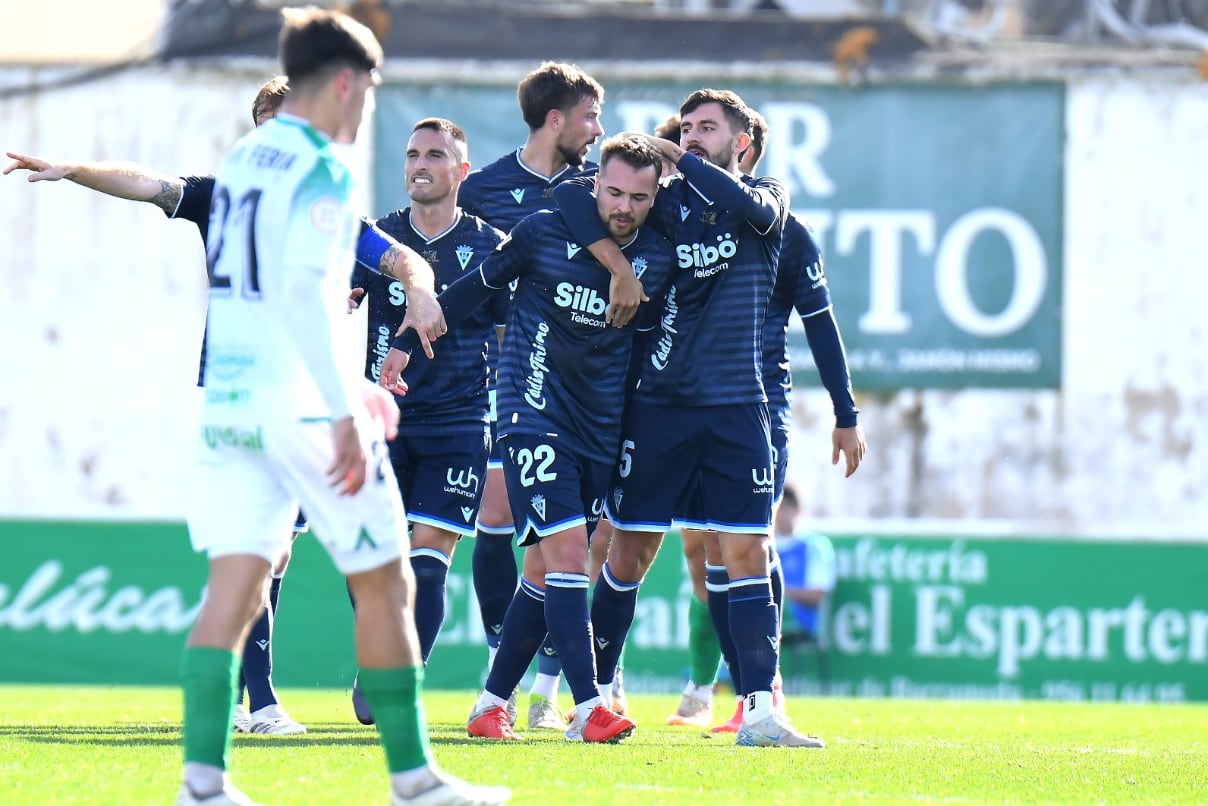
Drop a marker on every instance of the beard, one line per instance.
(572, 157)
(721, 158)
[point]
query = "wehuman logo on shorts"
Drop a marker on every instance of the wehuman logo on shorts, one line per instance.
(87, 604)
(464, 478)
(464, 483)
(762, 477)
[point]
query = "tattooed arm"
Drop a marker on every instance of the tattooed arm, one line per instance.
(121, 179)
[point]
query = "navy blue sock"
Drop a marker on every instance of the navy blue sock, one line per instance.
(274, 592)
(258, 662)
(566, 616)
(717, 588)
(612, 607)
(495, 579)
(777, 575)
(523, 632)
(547, 658)
(431, 569)
(755, 631)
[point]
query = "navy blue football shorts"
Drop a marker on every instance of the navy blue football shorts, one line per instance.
(713, 460)
(551, 487)
(441, 477)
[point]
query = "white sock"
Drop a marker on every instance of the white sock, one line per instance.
(702, 693)
(758, 705)
(546, 685)
(204, 780)
(410, 783)
(583, 709)
(488, 700)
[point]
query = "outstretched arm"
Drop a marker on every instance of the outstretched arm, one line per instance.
(379, 252)
(125, 180)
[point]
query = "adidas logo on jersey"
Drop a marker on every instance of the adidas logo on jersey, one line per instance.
(572, 249)
(578, 298)
(518, 195)
(464, 254)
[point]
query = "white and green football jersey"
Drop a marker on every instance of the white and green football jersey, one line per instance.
(281, 241)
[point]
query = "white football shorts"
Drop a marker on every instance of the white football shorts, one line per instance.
(250, 479)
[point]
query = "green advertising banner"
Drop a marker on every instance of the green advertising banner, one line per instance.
(939, 209)
(910, 617)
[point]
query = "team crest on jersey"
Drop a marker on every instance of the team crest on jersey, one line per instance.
(572, 249)
(538, 502)
(464, 254)
(639, 266)
(617, 492)
(518, 195)
(684, 213)
(325, 214)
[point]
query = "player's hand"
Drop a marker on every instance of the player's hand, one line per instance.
(426, 317)
(42, 170)
(347, 471)
(625, 294)
(392, 372)
(354, 298)
(849, 442)
(382, 408)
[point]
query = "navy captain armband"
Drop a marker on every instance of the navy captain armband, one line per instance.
(371, 246)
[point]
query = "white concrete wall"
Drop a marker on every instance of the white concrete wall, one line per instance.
(102, 304)
(1123, 447)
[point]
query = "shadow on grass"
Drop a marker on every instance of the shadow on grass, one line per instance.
(328, 734)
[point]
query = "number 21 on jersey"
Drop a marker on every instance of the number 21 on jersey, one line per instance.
(231, 249)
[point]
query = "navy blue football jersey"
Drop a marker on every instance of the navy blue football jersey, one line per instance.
(800, 286)
(195, 202)
(451, 389)
(507, 191)
(725, 230)
(194, 206)
(563, 370)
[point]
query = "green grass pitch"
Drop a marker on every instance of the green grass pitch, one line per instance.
(69, 745)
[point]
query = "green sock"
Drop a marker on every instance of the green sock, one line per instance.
(394, 697)
(207, 677)
(704, 652)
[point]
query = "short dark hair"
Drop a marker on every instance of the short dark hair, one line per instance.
(734, 107)
(759, 137)
(554, 85)
(269, 99)
(314, 40)
(447, 127)
(634, 150)
(789, 496)
(669, 129)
